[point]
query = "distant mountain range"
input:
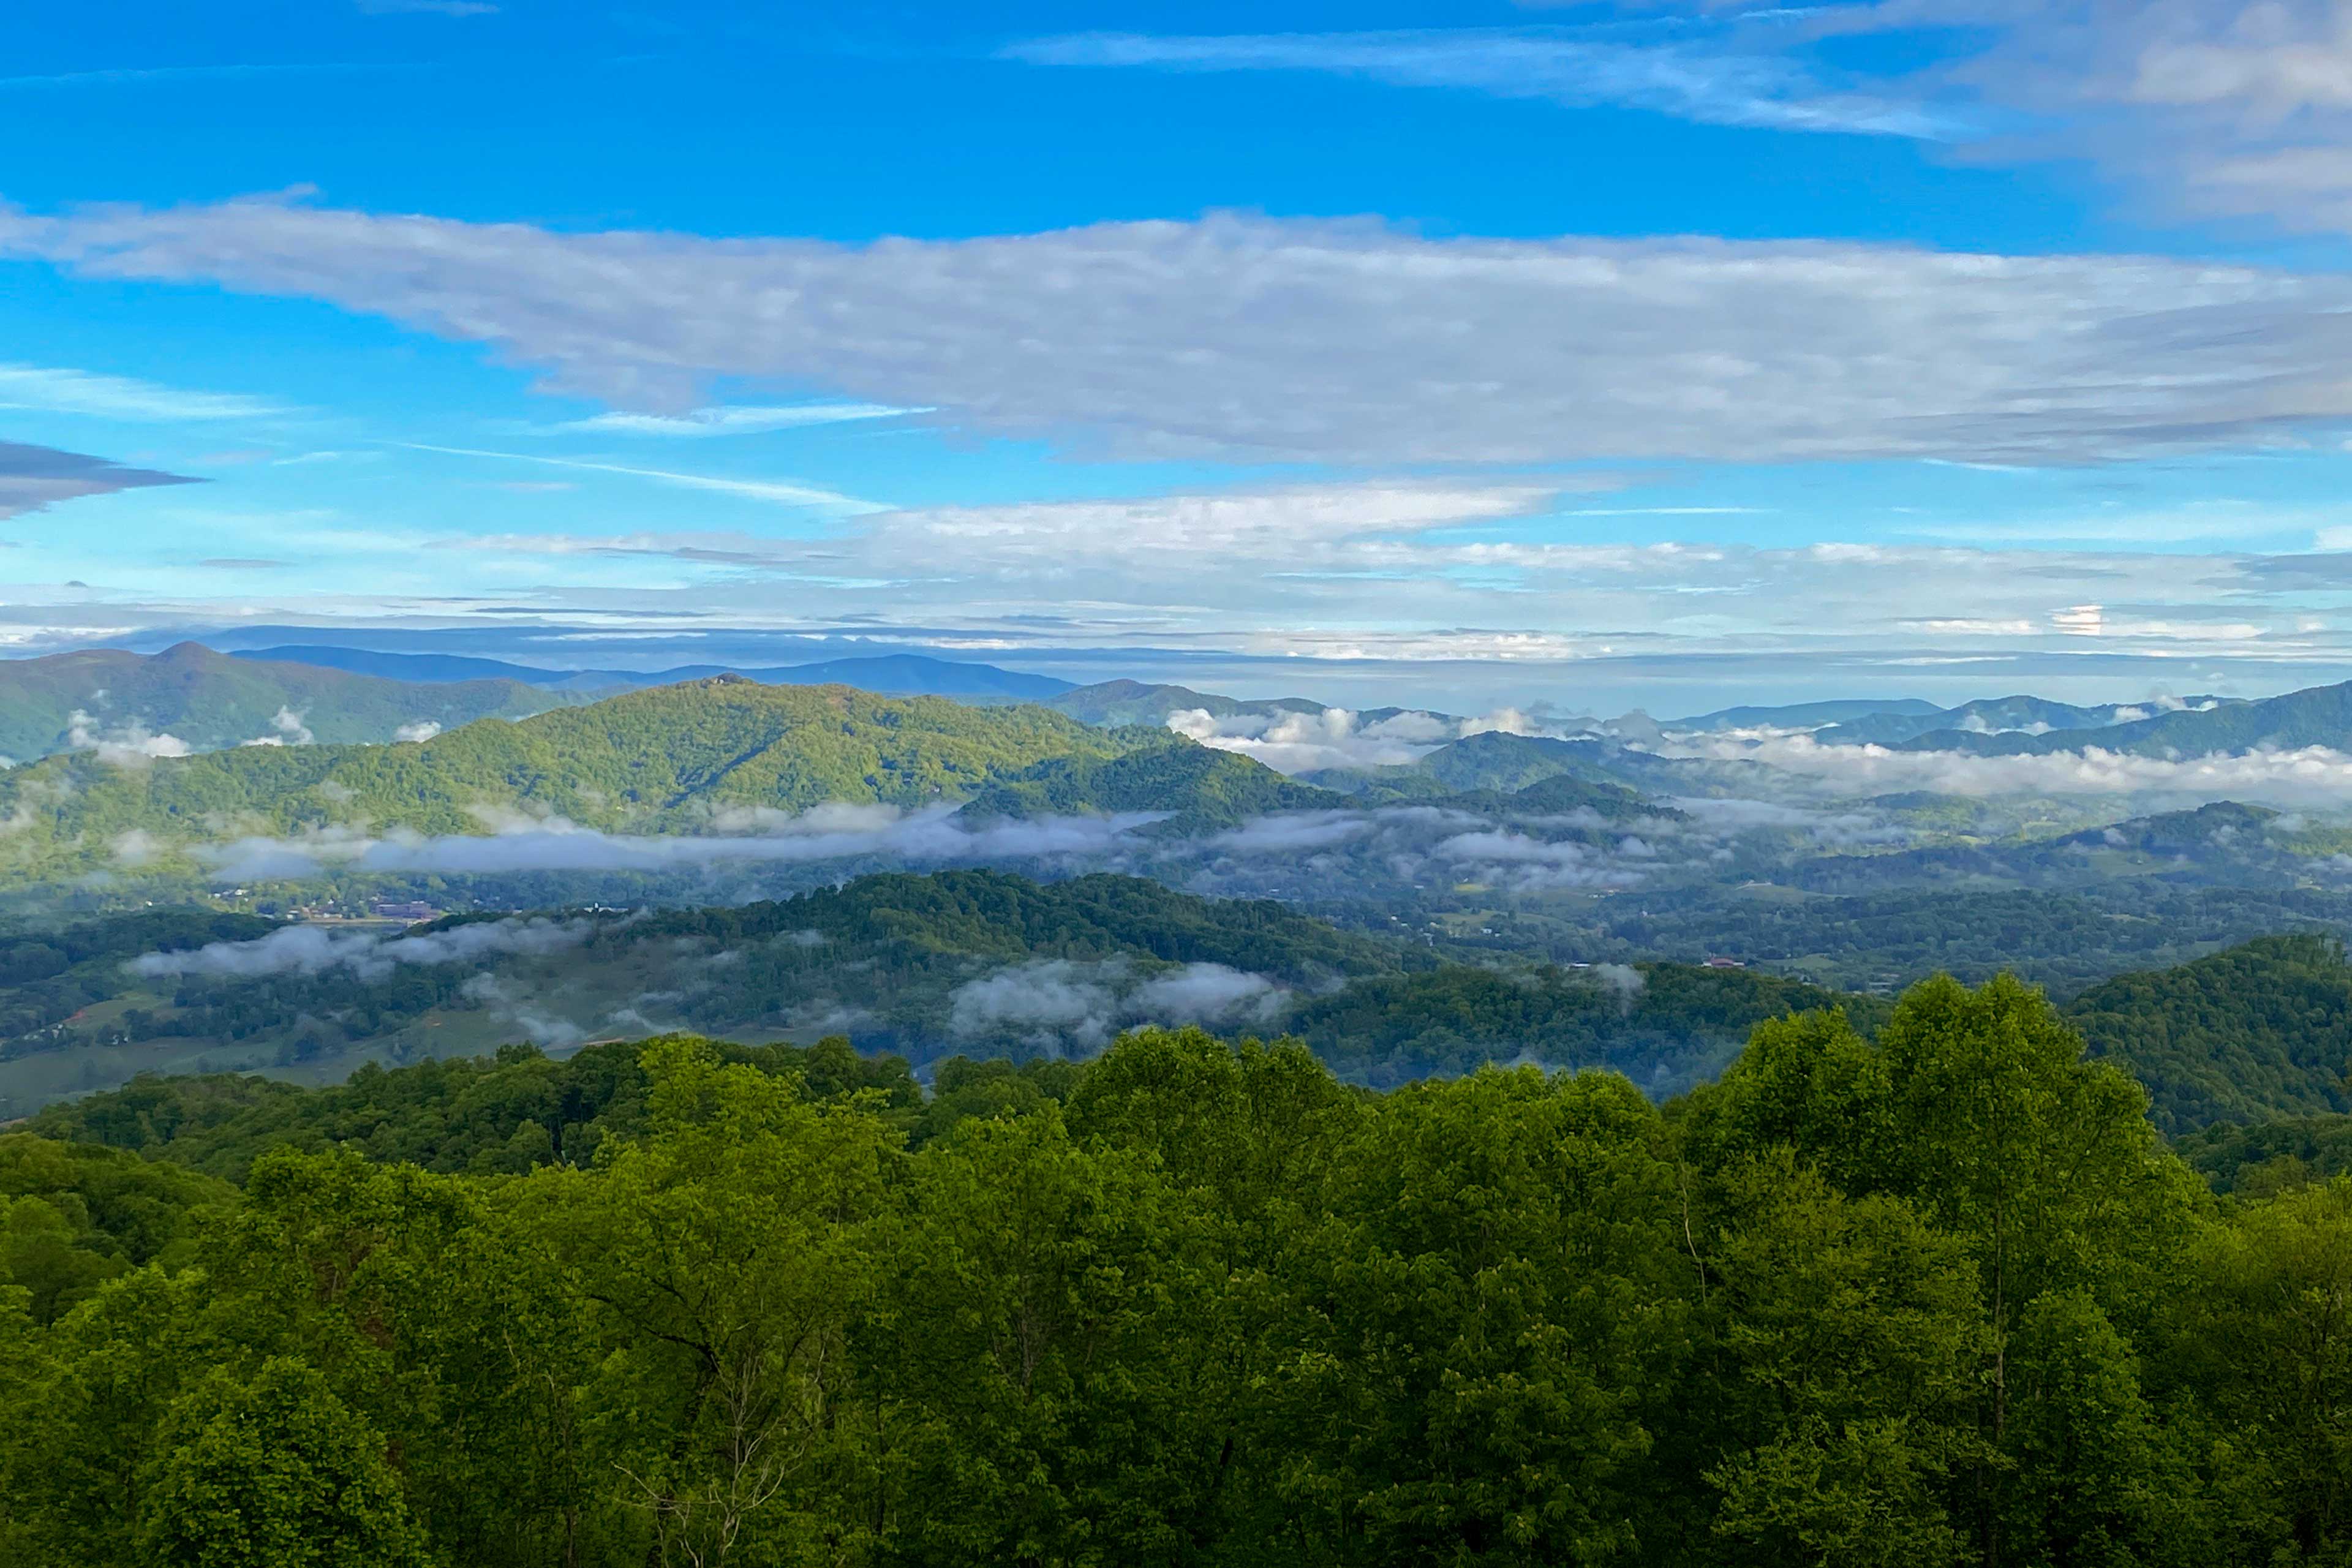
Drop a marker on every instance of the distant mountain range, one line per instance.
(2318, 716)
(189, 698)
(1901, 721)
(1971, 723)
(1139, 702)
(893, 675)
(1807, 715)
(1108, 703)
(2032, 726)
(722, 755)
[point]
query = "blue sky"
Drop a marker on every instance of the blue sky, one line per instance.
(1598, 355)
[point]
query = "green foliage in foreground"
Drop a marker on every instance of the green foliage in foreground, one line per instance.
(1937, 1297)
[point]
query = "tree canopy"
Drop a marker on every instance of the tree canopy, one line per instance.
(1937, 1292)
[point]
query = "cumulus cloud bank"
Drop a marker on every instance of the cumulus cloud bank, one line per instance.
(314, 950)
(1054, 1004)
(1524, 861)
(2314, 777)
(287, 729)
(1336, 737)
(130, 746)
(754, 835)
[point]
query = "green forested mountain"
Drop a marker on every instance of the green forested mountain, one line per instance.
(1666, 1026)
(2066, 939)
(2224, 842)
(1938, 1297)
(2260, 1031)
(922, 965)
(2258, 1159)
(927, 966)
(1491, 762)
(677, 759)
(1495, 760)
(207, 701)
(1560, 794)
(1204, 789)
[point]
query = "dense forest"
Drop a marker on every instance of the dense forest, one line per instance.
(987, 964)
(1940, 1295)
(674, 759)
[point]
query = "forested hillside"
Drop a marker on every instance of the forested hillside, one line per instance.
(1202, 790)
(928, 967)
(189, 698)
(677, 759)
(1938, 1297)
(922, 965)
(2260, 1031)
(1666, 1026)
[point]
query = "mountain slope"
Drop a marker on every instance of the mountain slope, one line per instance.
(2260, 1031)
(208, 701)
(1204, 789)
(925, 964)
(1496, 760)
(674, 759)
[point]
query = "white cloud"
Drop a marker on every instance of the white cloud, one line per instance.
(1335, 738)
(1293, 832)
(1328, 341)
(1207, 994)
(1528, 862)
(516, 843)
(129, 746)
(2315, 776)
(288, 730)
(1702, 84)
(1048, 999)
(422, 730)
(135, 847)
(732, 420)
(2200, 106)
(781, 492)
(1297, 742)
(314, 950)
(1057, 1002)
(59, 391)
